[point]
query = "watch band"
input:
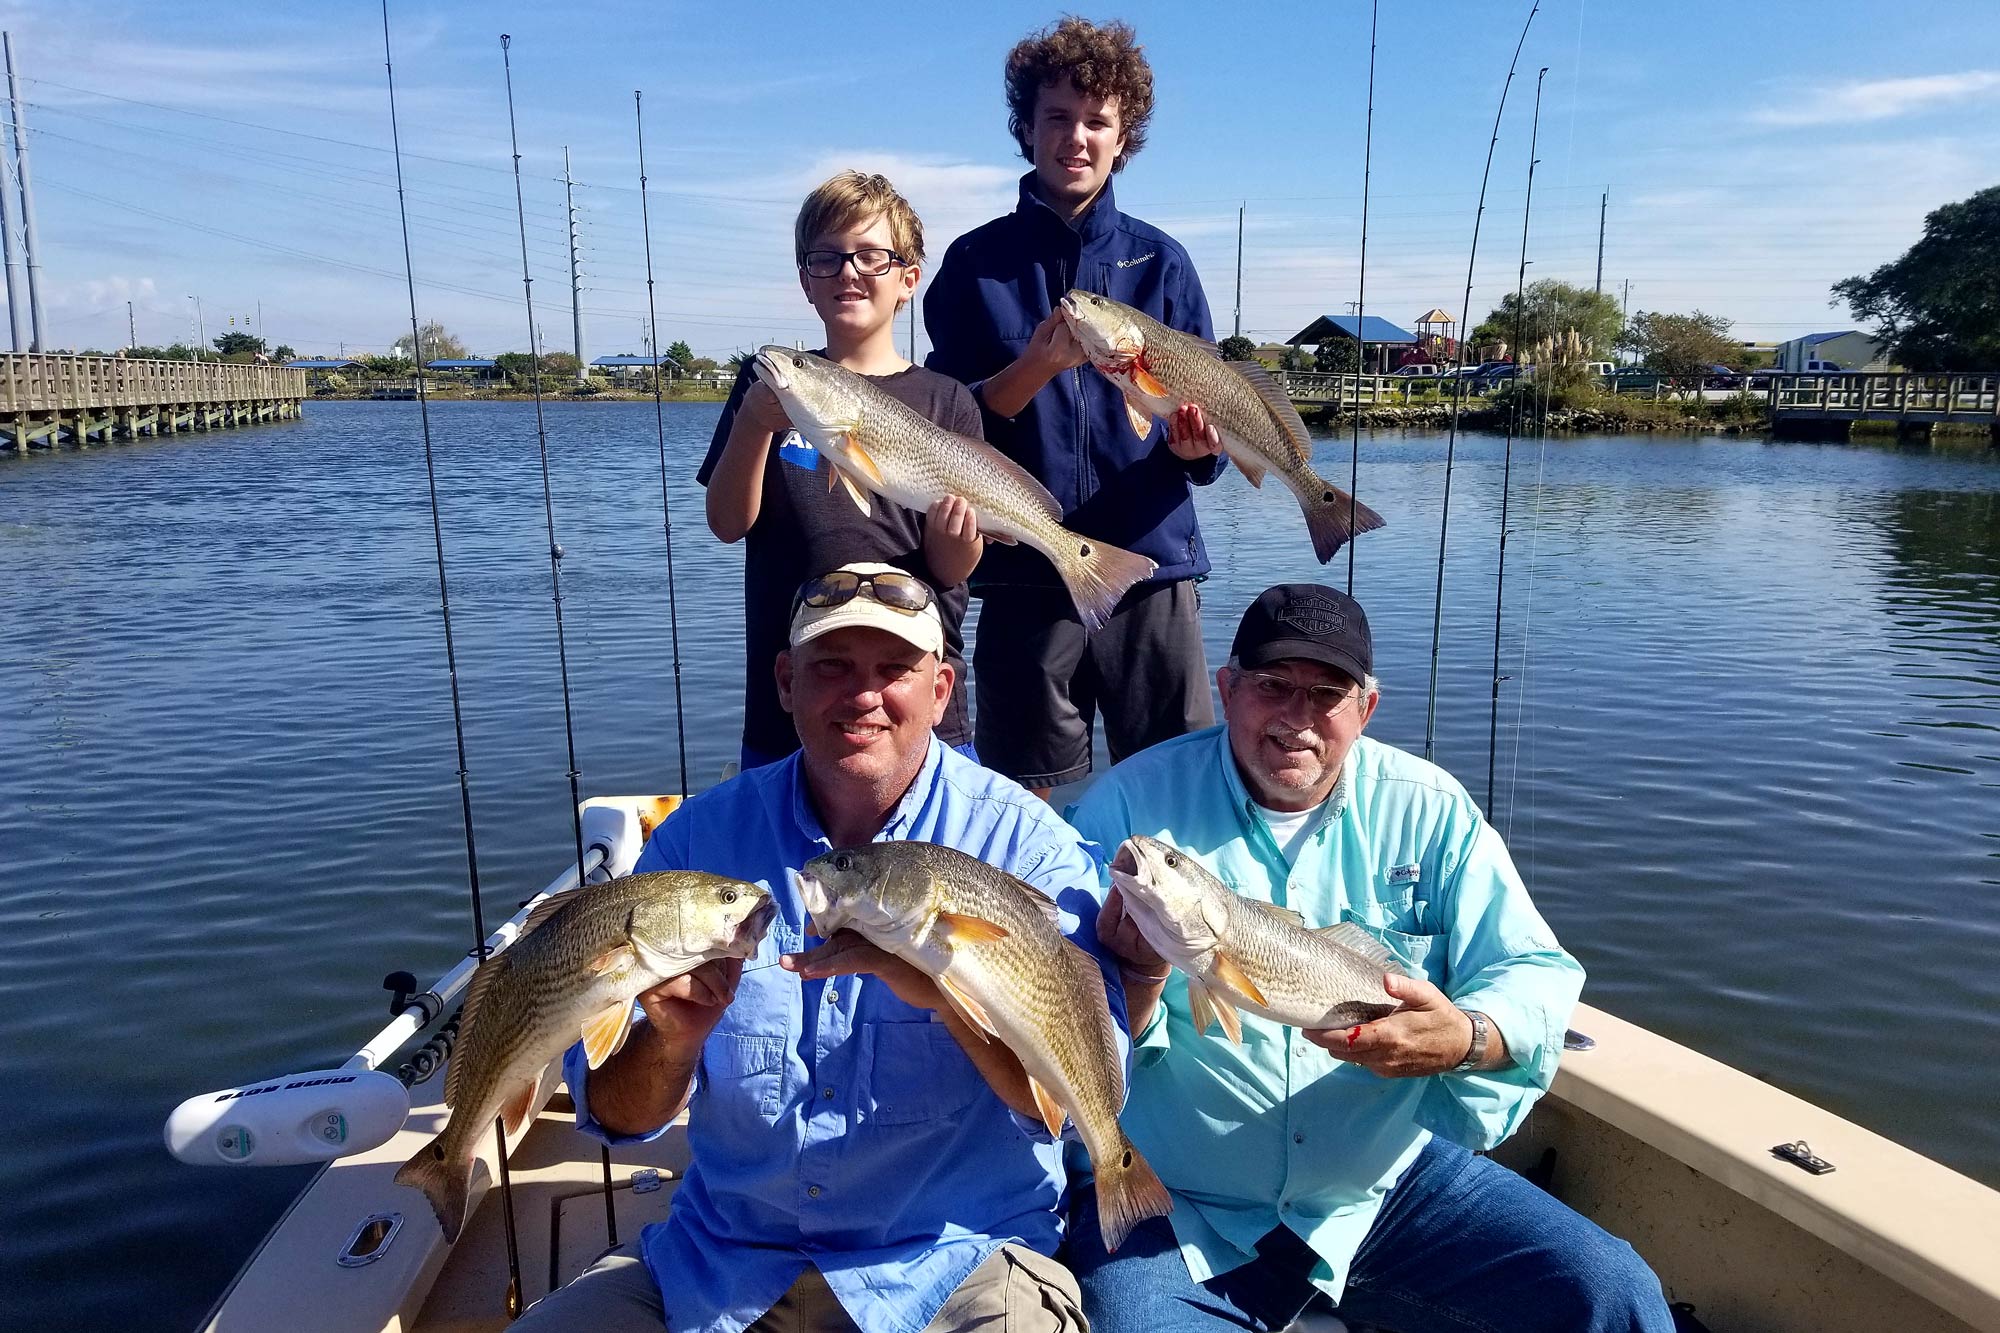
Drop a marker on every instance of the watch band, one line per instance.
(1481, 1025)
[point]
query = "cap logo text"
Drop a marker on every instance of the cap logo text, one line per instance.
(1313, 615)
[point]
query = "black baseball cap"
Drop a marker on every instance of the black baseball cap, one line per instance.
(1305, 620)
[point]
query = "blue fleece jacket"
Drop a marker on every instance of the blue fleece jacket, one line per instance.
(994, 286)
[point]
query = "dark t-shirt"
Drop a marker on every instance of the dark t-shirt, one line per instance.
(803, 529)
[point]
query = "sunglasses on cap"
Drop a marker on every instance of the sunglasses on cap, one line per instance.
(896, 590)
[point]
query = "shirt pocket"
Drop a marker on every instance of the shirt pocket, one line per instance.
(917, 1073)
(1381, 918)
(745, 1073)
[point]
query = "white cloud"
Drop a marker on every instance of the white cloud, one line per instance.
(1881, 99)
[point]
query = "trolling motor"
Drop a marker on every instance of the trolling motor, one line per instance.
(323, 1114)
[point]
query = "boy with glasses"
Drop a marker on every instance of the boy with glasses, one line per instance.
(860, 250)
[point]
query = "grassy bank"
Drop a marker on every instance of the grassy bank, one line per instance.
(462, 393)
(1583, 410)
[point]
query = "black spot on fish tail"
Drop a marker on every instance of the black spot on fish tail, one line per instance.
(1127, 1160)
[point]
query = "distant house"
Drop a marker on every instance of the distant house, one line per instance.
(465, 368)
(629, 368)
(1381, 341)
(1850, 349)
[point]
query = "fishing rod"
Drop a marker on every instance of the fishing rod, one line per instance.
(1507, 455)
(660, 427)
(1458, 395)
(1361, 293)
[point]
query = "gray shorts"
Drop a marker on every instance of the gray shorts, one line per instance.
(1040, 682)
(1015, 1289)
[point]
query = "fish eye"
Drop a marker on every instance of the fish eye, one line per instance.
(729, 895)
(843, 862)
(1173, 862)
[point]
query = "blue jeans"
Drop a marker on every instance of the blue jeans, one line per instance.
(1461, 1244)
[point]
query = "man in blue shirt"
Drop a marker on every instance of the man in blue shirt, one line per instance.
(1342, 1161)
(860, 1158)
(1079, 96)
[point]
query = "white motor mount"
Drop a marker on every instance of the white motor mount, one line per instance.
(311, 1117)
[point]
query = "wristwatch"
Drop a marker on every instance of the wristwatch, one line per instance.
(1481, 1025)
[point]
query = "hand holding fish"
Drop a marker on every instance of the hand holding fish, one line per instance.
(761, 408)
(1054, 347)
(952, 540)
(685, 1009)
(848, 954)
(1190, 436)
(1428, 1034)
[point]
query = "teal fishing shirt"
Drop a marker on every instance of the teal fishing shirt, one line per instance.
(1277, 1132)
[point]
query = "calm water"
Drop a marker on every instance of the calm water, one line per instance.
(1749, 758)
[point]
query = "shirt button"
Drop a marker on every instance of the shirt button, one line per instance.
(832, 995)
(812, 1191)
(826, 1093)
(1296, 1138)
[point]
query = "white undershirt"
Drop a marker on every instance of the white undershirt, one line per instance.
(1289, 828)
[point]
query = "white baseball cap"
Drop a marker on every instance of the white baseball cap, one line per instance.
(923, 629)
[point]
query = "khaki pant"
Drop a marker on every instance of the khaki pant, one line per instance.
(1015, 1291)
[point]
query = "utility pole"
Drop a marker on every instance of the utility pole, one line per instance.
(1602, 204)
(200, 326)
(17, 316)
(575, 275)
(131, 327)
(28, 243)
(1239, 270)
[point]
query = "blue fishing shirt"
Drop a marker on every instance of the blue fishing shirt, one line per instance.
(1277, 1132)
(832, 1124)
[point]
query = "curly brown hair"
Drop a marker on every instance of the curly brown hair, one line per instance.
(1102, 61)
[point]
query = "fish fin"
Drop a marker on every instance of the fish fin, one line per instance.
(447, 1184)
(1097, 574)
(520, 1104)
(1000, 537)
(1334, 518)
(1272, 395)
(538, 918)
(1147, 383)
(1212, 1007)
(1356, 939)
(832, 474)
(1128, 1192)
(606, 1032)
(1231, 975)
(1142, 422)
(1202, 1007)
(1253, 472)
(1051, 1110)
(610, 958)
(855, 493)
(484, 977)
(958, 928)
(863, 461)
(1284, 914)
(969, 1009)
(1225, 1014)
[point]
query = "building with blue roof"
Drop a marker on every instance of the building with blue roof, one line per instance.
(1380, 340)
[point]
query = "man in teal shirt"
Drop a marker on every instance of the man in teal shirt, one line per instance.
(1342, 1161)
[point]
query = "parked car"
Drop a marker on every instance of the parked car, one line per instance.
(1423, 370)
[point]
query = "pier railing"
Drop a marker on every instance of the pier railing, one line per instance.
(1885, 397)
(39, 382)
(1347, 390)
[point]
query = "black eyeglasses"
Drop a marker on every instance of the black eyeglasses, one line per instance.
(870, 263)
(897, 591)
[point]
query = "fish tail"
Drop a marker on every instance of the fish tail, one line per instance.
(444, 1181)
(1334, 518)
(1128, 1192)
(1097, 574)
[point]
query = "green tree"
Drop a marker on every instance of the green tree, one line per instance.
(1297, 358)
(174, 352)
(517, 366)
(236, 341)
(1938, 307)
(1549, 310)
(1236, 347)
(702, 364)
(388, 365)
(1679, 347)
(680, 353)
(283, 352)
(1338, 356)
(435, 342)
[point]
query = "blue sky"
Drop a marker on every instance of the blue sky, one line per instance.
(1753, 157)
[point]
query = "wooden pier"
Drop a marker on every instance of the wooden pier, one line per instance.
(1821, 405)
(1314, 388)
(52, 398)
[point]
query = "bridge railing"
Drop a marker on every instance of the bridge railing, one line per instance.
(1884, 395)
(1347, 390)
(69, 382)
